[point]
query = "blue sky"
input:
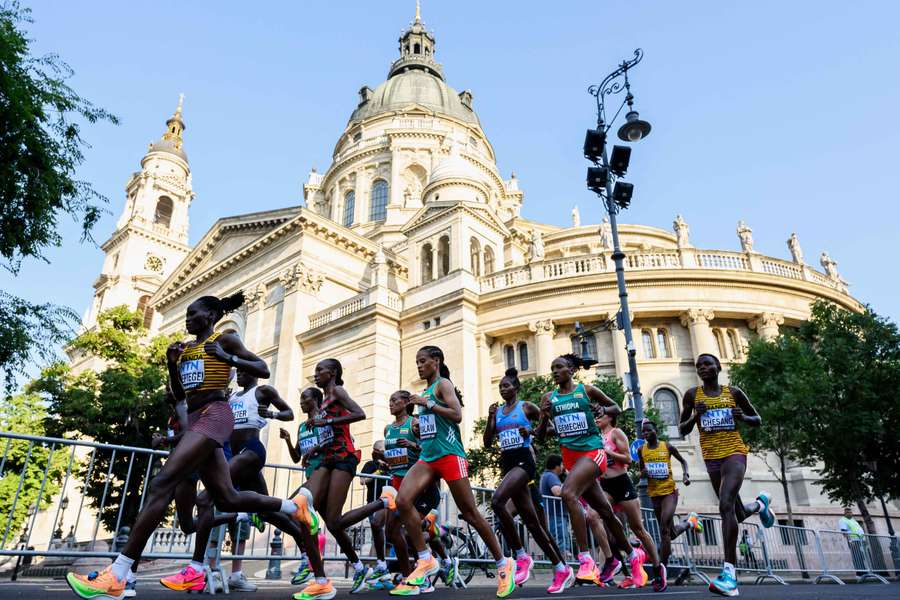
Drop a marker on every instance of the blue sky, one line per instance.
(779, 113)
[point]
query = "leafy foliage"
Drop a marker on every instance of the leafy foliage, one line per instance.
(124, 403)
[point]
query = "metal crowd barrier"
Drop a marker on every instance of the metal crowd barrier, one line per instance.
(121, 475)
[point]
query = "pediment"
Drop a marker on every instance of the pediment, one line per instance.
(437, 211)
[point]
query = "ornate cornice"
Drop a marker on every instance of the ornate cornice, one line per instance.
(697, 316)
(765, 320)
(542, 327)
(303, 277)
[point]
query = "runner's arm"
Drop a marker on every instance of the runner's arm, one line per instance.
(447, 393)
(230, 349)
(344, 399)
(744, 411)
(543, 427)
(293, 450)
(598, 398)
(686, 477)
(490, 428)
(688, 417)
(621, 440)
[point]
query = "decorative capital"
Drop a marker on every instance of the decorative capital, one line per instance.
(766, 320)
(697, 316)
(544, 327)
(303, 277)
(253, 298)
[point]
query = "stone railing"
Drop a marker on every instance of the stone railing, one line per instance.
(731, 261)
(356, 304)
(381, 140)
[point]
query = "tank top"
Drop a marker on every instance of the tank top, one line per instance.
(610, 444)
(245, 407)
(440, 437)
(573, 420)
(719, 436)
(398, 458)
(658, 462)
(335, 440)
(200, 371)
(507, 427)
(307, 439)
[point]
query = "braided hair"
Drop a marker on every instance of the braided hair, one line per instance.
(573, 360)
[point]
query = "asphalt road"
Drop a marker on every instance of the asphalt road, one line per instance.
(150, 590)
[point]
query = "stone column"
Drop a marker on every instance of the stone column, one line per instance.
(435, 257)
(766, 325)
(702, 339)
(543, 338)
(620, 353)
(487, 392)
(255, 301)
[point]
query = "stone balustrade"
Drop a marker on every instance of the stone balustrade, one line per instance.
(377, 295)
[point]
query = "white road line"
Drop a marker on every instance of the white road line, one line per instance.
(553, 597)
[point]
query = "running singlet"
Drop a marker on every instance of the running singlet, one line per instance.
(335, 440)
(246, 410)
(507, 427)
(399, 458)
(718, 435)
(201, 371)
(573, 420)
(307, 440)
(610, 444)
(658, 462)
(439, 436)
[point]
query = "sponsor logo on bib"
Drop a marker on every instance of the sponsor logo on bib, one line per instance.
(192, 373)
(717, 419)
(427, 427)
(658, 470)
(396, 457)
(570, 424)
(511, 439)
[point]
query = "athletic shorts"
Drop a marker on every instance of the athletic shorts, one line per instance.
(715, 465)
(658, 500)
(427, 500)
(619, 488)
(214, 420)
(570, 457)
(344, 463)
(519, 457)
(450, 467)
(252, 445)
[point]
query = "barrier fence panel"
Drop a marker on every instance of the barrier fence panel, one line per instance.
(791, 550)
(848, 556)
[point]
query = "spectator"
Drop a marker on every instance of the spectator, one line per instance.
(856, 539)
(551, 485)
(746, 548)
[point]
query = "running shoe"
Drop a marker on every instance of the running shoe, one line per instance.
(586, 570)
(404, 589)
(377, 574)
(302, 574)
(360, 578)
(626, 584)
(389, 495)
(240, 583)
(562, 580)
(523, 569)
(724, 585)
(305, 512)
(424, 569)
(95, 584)
(610, 568)
(431, 525)
(636, 564)
(257, 522)
(451, 570)
(130, 589)
(316, 591)
(766, 516)
(427, 588)
(188, 579)
(660, 582)
(695, 522)
(506, 578)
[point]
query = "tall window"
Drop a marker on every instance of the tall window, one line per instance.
(163, 215)
(475, 256)
(349, 208)
(666, 402)
(488, 260)
(509, 355)
(720, 342)
(444, 255)
(144, 309)
(427, 263)
(734, 343)
(378, 206)
(590, 345)
(523, 356)
(662, 343)
(647, 341)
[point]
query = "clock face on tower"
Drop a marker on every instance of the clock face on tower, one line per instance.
(153, 263)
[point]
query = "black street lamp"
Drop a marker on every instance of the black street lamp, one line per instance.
(616, 195)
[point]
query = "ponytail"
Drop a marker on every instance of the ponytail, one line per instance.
(221, 306)
(443, 369)
(574, 361)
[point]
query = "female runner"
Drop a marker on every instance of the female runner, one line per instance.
(511, 423)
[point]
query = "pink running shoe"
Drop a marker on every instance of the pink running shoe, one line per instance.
(587, 570)
(321, 543)
(188, 579)
(562, 580)
(610, 568)
(636, 563)
(523, 569)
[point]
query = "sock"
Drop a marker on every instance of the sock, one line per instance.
(760, 505)
(197, 566)
(121, 566)
(288, 506)
(584, 556)
(561, 567)
(501, 562)
(381, 565)
(358, 566)
(321, 580)
(728, 569)
(425, 554)
(520, 553)
(237, 573)
(130, 577)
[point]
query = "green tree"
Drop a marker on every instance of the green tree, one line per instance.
(26, 463)
(40, 129)
(124, 403)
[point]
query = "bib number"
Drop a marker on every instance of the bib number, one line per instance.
(510, 439)
(571, 424)
(427, 427)
(192, 374)
(240, 412)
(307, 444)
(396, 457)
(326, 435)
(658, 470)
(717, 419)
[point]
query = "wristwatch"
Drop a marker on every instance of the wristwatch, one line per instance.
(430, 404)
(231, 360)
(329, 420)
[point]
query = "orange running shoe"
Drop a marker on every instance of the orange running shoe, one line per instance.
(305, 512)
(316, 591)
(506, 578)
(424, 569)
(97, 585)
(389, 495)
(188, 579)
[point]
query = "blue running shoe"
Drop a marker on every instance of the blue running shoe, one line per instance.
(766, 516)
(724, 585)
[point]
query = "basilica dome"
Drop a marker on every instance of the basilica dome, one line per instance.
(415, 86)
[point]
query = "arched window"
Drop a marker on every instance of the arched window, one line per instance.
(427, 263)
(488, 260)
(378, 206)
(647, 341)
(736, 343)
(590, 345)
(475, 256)
(444, 255)
(509, 355)
(523, 356)
(349, 208)
(163, 215)
(666, 402)
(662, 343)
(144, 309)
(717, 333)
(730, 343)
(417, 49)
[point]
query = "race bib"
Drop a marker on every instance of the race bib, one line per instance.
(326, 435)
(571, 424)
(240, 412)
(191, 374)
(510, 439)
(717, 419)
(658, 470)
(307, 444)
(396, 457)
(427, 427)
